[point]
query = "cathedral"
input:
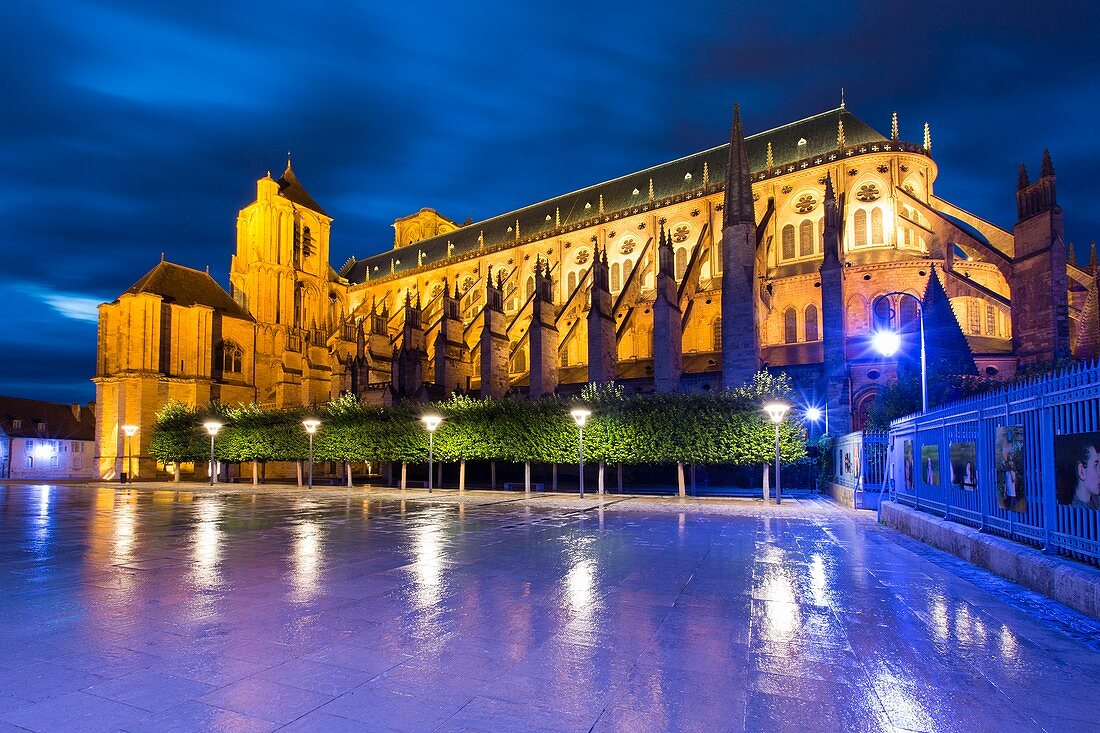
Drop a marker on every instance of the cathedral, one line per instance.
(691, 275)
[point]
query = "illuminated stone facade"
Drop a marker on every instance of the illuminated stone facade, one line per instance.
(296, 331)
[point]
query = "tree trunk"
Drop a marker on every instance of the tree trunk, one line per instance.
(767, 487)
(462, 475)
(600, 479)
(176, 472)
(404, 474)
(527, 478)
(255, 472)
(554, 477)
(680, 478)
(619, 478)
(298, 466)
(493, 475)
(347, 467)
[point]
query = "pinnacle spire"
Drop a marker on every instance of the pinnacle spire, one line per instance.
(770, 161)
(894, 126)
(738, 206)
(1048, 167)
(1071, 254)
(840, 131)
(927, 137)
(1022, 181)
(1092, 258)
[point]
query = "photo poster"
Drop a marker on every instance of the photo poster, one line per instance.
(964, 466)
(1077, 470)
(930, 465)
(907, 458)
(1008, 467)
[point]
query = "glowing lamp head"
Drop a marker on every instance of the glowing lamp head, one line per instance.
(886, 342)
(212, 427)
(130, 430)
(776, 411)
(311, 425)
(431, 422)
(580, 416)
(813, 414)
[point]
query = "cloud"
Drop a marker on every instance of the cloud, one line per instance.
(69, 305)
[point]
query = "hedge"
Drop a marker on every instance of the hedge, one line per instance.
(727, 427)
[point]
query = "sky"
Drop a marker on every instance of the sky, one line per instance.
(135, 128)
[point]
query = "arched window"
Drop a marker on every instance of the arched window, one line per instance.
(811, 322)
(628, 267)
(616, 272)
(307, 242)
(876, 226)
(990, 320)
(530, 288)
(232, 358)
(681, 262)
(572, 280)
(861, 228)
(788, 242)
(907, 315)
(299, 306)
(790, 326)
(806, 238)
(717, 334)
(718, 260)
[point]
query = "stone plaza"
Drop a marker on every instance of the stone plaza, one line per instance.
(184, 608)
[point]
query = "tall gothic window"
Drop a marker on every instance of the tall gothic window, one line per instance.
(806, 238)
(628, 267)
(530, 287)
(307, 242)
(232, 357)
(572, 283)
(811, 323)
(990, 320)
(681, 262)
(788, 242)
(616, 273)
(861, 227)
(907, 312)
(876, 226)
(717, 344)
(790, 326)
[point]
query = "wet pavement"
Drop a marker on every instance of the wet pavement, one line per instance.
(362, 611)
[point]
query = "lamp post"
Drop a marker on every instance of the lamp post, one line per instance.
(887, 341)
(130, 431)
(212, 427)
(580, 416)
(311, 426)
(777, 411)
(431, 422)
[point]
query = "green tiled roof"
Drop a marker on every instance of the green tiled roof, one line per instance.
(669, 180)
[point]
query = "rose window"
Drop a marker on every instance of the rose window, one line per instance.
(805, 204)
(868, 192)
(680, 233)
(627, 245)
(582, 257)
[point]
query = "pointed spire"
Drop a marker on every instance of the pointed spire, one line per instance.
(842, 97)
(831, 233)
(706, 174)
(601, 203)
(1071, 254)
(840, 130)
(288, 160)
(770, 159)
(557, 217)
(738, 200)
(650, 189)
(894, 126)
(1092, 258)
(489, 278)
(1048, 167)
(481, 240)
(1022, 181)
(517, 230)
(927, 137)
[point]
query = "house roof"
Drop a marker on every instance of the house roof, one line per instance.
(58, 422)
(669, 179)
(186, 287)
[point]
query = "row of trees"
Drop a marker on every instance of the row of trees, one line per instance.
(727, 427)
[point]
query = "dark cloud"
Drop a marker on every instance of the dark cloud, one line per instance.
(133, 128)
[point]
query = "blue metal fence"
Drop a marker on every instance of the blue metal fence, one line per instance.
(1008, 437)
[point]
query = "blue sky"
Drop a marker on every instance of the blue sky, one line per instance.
(133, 128)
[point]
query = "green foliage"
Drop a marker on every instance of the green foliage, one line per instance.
(723, 428)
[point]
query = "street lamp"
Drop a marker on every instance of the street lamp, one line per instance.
(311, 426)
(580, 416)
(130, 431)
(431, 422)
(212, 427)
(777, 411)
(887, 341)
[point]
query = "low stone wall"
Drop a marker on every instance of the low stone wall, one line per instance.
(852, 498)
(1070, 583)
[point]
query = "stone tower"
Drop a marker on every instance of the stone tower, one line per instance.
(668, 337)
(603, 350)
(740, 340)
(543, 334)
(453, 366)
(410, 360)
(494, 340)
(834, 373)
(1040, 312)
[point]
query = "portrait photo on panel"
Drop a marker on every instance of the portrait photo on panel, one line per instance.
(1008, 467)
(1077, 469)
(930, 465)
(907, 461)
(964, 464)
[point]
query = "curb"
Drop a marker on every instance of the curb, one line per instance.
(1070, 583)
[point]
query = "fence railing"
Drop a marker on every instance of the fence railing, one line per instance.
(1015, 462)
(859, 460)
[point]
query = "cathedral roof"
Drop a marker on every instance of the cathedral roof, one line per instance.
(668, 180)
(291, 188)
(186, 287)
